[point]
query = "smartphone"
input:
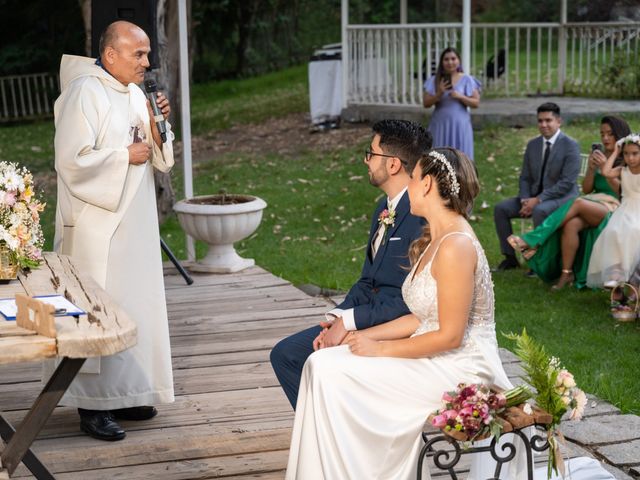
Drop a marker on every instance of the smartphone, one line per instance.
(597, 146)
(447, 79)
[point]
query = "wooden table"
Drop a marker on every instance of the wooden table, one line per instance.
(105, 330)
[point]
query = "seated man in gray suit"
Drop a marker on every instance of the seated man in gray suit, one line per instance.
(548, 179)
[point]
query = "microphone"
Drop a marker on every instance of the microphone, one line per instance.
(151, 88)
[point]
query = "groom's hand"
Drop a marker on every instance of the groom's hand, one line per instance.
(318, 343)
(335, 334)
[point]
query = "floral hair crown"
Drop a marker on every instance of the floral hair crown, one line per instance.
(633, 138)
(454, 187)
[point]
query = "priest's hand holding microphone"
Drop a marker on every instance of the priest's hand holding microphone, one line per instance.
(159, 110)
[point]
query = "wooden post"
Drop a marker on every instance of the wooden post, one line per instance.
(185, 111)
(466, 36)
(345, 51)
(562, 48)
(35, 315)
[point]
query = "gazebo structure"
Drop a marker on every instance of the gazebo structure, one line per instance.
(387, 64)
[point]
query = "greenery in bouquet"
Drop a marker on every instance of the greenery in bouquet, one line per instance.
(556, 389)
(20, 229)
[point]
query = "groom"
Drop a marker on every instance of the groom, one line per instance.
(376, 297)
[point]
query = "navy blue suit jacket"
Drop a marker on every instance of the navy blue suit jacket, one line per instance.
(377, 297)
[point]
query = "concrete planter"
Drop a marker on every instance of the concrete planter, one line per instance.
(219, 221)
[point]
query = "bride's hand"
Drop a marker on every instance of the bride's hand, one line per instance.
(362, 345)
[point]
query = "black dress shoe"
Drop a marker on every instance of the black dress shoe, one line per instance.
(509, 263)
(530, 274)
(135, 413)
(100, 424)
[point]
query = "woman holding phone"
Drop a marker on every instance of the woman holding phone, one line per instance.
(451, 91)
(560, 247)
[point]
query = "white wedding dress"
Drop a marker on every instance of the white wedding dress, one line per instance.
(361, 417)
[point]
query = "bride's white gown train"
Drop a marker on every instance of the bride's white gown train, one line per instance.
(361, 417)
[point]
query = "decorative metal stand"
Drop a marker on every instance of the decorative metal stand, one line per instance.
(502, 453)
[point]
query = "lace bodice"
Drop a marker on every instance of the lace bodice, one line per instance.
(421, 296)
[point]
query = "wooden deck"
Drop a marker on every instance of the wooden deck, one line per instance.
(230, 419)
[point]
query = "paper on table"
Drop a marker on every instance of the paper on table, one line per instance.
(63, 306)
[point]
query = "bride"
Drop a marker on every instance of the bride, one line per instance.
(361, 417)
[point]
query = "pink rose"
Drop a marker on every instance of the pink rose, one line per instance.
(466, 412)
(439, 421)
(450, 414)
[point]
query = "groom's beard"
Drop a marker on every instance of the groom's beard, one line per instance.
(379, 176)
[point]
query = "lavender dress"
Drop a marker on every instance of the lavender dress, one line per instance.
(451, 122)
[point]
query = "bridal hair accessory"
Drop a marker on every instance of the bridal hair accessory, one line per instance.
(454, 187)
(632, 138)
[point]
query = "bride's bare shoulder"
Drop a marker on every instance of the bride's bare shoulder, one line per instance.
(455, 252)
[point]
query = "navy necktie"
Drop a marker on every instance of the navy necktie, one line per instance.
(545, 158)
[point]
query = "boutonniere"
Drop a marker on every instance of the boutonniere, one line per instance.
(387, 219)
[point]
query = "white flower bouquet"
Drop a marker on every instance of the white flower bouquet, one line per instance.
(20, 231)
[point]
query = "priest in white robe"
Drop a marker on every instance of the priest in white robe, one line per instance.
(106, 220)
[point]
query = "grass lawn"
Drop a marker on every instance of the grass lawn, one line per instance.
(315, 227)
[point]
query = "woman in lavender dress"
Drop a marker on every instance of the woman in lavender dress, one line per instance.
(451, 91)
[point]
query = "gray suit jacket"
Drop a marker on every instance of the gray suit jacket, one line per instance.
(561, 172)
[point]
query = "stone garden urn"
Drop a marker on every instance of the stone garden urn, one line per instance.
(220, 220)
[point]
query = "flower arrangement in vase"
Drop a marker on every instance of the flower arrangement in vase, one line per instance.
(21, 238)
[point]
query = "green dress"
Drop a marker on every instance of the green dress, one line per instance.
(547, 261)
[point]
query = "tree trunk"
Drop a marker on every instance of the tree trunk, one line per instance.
(167, 80)
(246, 11)
(85, 8)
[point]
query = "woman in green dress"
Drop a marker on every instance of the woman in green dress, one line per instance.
(560, 247)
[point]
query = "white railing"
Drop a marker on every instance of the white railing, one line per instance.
(592, 49)
(27, 96)
(387, 64)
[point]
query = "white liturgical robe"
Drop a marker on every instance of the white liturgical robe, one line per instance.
(106, 220)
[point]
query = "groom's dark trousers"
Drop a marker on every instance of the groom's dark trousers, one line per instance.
(375, 298)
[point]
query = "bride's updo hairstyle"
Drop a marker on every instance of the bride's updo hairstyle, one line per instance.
(455, 176)
(457, 183)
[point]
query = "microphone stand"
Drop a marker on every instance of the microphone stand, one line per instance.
(176, 262)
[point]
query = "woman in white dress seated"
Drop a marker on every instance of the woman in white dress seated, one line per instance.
(360, 417)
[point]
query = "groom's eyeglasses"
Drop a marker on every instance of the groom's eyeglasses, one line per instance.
(368, 154)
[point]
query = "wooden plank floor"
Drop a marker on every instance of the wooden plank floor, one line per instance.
(230, 419)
